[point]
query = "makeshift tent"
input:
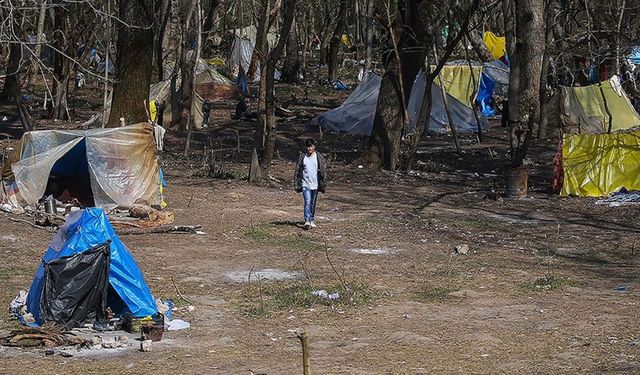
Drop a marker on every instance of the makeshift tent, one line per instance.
(161, 92)
(82, 249)
(497, 45)
(242, 47)
(590, 109)
(598, 165)
(494, 80)
(356, 114)
(460, 82)
(209, 85)
(102, 167)
(461, 114)
(212, 85)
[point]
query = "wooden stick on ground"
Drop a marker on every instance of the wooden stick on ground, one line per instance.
(179, 229)
(28, 222)
(306, 358)
(178, 291)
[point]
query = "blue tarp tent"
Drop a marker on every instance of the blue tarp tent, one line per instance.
(84, 230)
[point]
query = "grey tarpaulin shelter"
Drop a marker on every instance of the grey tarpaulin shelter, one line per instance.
(356, 114)
(107, 167)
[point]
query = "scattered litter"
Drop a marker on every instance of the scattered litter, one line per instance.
(177, 324)
(18, 302)
(165, 308)
(145, 346)
(323, 294)
(338, 85)
(264, 274)
(462, 249)
(115, 342)
(379, 251)
(621, 198)
(620, 288)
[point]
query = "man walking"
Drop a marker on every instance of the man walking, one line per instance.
(310, 178)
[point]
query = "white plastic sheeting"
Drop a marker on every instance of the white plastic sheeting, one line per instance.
(357, 113)
(241, 52)
(123, 167)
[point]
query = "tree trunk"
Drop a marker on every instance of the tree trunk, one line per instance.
(265, 140)
(188, 65)
(61, 64)
(544, 91)
(326, 34)
(35, 67)
(198, 47)
(12, 80)
(389, 122)
(369, 38)
(291, 67)
(261, 40)
(307, 50)
(162, 19)
(475, 38)
(334, 44)
(134, 63)
(525, 51)
(385, 141)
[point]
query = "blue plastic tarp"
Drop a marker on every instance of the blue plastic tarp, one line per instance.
(84, 230)
(635, 55)
(485, 94)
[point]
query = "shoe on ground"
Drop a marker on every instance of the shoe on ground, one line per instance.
(306, 225)
(312, 224)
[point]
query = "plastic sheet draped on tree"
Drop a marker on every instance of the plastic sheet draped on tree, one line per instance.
(597, 165)
(462, 115)
(84, 230)
(497, 45)
(460, 82)
(356, 115)
(122, 163)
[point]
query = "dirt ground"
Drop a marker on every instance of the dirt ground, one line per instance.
(549, 286)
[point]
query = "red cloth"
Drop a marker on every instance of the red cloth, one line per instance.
(558, 171)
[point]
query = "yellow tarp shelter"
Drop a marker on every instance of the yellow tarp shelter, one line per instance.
(592, 100)
(458, 82)
(582, 109)
(497, 45)
(597, 165)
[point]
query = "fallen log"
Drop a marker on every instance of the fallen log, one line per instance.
(178, 229)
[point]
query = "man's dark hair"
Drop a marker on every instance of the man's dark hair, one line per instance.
(309, 142)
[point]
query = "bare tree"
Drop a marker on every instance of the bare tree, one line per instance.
(525, 43)
(134, 64)
(265, 139)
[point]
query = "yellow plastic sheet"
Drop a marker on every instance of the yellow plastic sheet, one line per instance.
(458, 82)
(153, 111)
(497, 45)
(592, 100)
(345, 40)
(597, 165)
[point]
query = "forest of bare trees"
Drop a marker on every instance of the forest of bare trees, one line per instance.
(121, 47)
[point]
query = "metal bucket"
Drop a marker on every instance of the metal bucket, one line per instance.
(50, 205)
(516, 180)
